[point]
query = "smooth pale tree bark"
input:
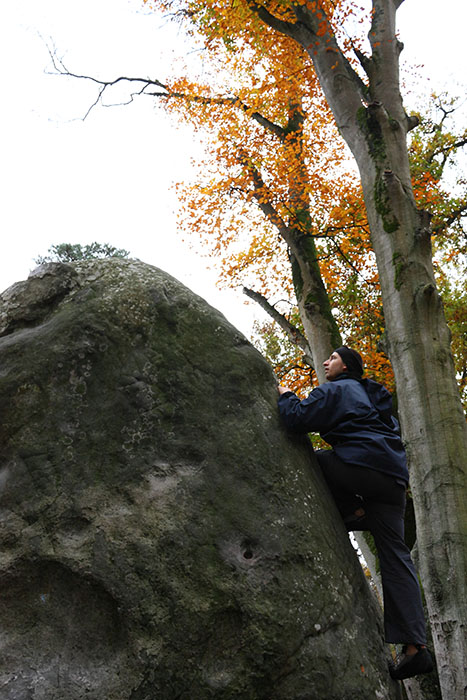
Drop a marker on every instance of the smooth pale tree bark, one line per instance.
(372, 120)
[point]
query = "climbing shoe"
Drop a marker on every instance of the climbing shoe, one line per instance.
(409, 665)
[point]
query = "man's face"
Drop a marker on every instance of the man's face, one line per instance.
(334, 366)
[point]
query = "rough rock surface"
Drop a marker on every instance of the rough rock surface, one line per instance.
(161, 536)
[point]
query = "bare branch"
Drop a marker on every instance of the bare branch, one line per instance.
(104, 85)
(350, 263)
(291, 331)
(167, 93)
(263, 121)
(447, 150)
(364, 60)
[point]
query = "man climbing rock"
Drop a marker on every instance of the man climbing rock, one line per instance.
(367, 474)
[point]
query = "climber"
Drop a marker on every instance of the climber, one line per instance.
(367, 475)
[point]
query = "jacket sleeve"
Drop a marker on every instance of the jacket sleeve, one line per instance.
(311, 414)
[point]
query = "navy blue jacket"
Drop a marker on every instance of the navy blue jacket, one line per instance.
(355, 417)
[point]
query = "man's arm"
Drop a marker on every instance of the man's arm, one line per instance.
(311, 414)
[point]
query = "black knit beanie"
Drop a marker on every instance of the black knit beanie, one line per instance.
(352, 359)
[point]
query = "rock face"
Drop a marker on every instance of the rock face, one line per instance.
(161, 535)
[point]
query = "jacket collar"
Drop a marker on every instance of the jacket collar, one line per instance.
(346, 375)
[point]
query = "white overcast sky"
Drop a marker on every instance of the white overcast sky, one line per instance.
(109, 178)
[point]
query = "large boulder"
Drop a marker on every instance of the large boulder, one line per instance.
(161, 536)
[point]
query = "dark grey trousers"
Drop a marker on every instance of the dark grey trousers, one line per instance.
(383, 499)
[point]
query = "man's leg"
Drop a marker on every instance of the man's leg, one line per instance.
(404, 619)
(338, 479)
(384, 506)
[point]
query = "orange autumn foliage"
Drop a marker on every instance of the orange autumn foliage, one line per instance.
(254, 79)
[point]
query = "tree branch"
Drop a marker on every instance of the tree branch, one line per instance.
(446, 151)
(261, 194)
(385, 49)
(288, 28)
(455, 215)
(61, 69)
(364, 61)
(342, 86)
(412, 121)
(147, 83)
(293, 333)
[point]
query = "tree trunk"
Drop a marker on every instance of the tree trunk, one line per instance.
(313, 302)
(319, 324)
(372, 120)
(433, 423)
